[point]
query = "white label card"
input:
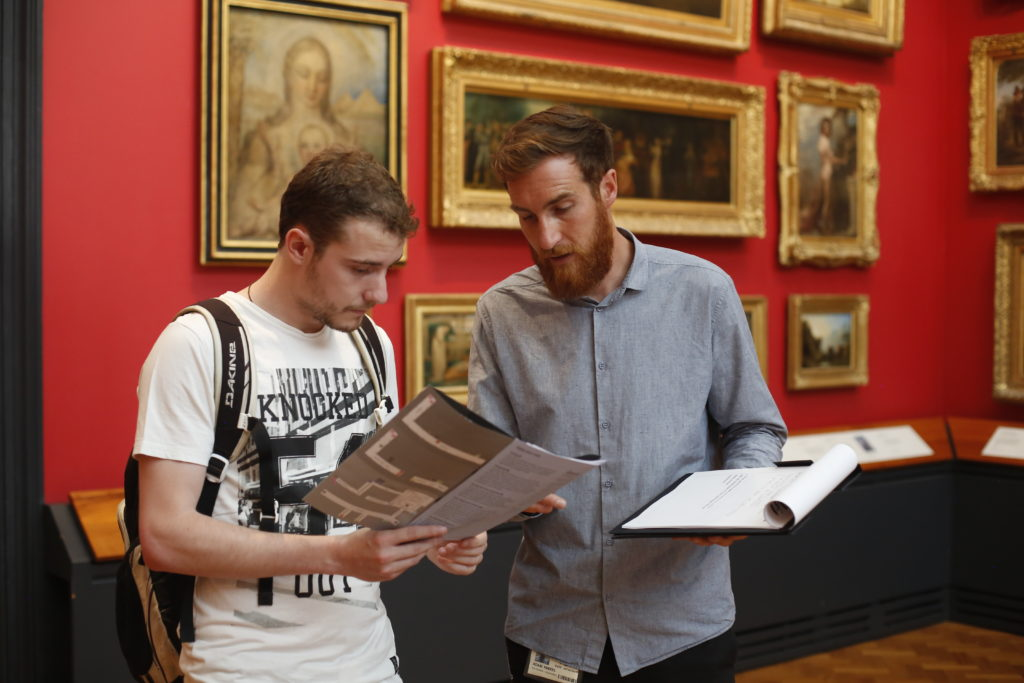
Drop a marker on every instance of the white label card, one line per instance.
(871, 445)
(1005, 442)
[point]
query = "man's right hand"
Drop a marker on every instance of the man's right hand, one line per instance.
(383, 555)
(548, 503)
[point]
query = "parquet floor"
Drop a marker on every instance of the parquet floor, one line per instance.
(944, 652)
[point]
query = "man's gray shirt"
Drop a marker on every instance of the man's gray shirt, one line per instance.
(648, 379)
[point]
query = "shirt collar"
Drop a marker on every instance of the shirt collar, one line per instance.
(636, 276)
(638, 273)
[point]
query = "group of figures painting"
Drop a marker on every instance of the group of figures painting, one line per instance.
(283, 79)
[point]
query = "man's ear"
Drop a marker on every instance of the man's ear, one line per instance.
(609, 187)
(298, 245)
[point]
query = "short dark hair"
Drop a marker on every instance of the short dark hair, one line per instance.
(557, 131)
(341, 183)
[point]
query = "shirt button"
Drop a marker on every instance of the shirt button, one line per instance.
(607, 484)
(610, 541)
(605, 424)
(602, 366)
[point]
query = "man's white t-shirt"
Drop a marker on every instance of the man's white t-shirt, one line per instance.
(316, 400)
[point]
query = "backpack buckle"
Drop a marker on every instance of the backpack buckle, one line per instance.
(273, 517)
(382, 409)
(216, 468)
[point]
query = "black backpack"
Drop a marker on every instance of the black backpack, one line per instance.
(154, 609)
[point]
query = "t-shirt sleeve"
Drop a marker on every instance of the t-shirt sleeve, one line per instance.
(176, 402)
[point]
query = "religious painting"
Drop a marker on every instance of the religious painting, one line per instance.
(756, 309)
(827, 344)
(997, 112)
(861, 25)
(283, 80)
(438, 332)
(717, 25)
(688, 153)
(828, 172)
(1008, 357)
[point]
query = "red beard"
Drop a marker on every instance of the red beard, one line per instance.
(591, 263)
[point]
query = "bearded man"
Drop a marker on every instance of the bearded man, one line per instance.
(641, 355)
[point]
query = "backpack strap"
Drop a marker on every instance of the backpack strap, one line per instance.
(231, 380)
(365, 336)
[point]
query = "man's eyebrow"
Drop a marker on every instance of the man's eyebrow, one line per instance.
(554, 200)
(368, 262)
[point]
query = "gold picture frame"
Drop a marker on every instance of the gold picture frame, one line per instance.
(862, 25)
(997, 113)
(708, 136)
(1008, 355)
(438, 332)
(756, 309)
(828, 172)
(827, 341)
(263, 62)
(719, 25)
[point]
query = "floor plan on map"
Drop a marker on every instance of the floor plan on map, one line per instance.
(438, 463)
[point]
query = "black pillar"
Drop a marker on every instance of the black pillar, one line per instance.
(22, 589)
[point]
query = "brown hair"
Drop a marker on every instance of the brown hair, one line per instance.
(341, 183)
(558, 131)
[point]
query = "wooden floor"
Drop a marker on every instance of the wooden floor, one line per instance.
(944, 652)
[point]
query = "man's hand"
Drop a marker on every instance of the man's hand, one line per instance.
(383, 555)
(548, 503)
(712, 540)
(460, 557)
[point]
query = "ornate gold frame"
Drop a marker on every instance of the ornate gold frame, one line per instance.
(220, 113)
(417, 308)
(1008, 356)
(730, 32)
(456, 70)
(756, 307)
(799, 377)
(986, 53)
(879, 30)
(862, 249)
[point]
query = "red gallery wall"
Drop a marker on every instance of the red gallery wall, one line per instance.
(120, 206)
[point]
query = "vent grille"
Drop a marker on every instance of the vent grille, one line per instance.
(988, 610)
(831, 630)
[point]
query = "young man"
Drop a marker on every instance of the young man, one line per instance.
(637, 353)
(344, 221)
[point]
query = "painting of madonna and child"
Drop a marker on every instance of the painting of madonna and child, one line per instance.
(827, 162)
(295, 85)
(657, 155)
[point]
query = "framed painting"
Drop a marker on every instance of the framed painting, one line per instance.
(438, 332)
(1008, 357)
(720, 25)
(862, 25)
(689, 153)
(997, 112)
(828, 341)
(828, 172)
(756, 309)
(281, 80)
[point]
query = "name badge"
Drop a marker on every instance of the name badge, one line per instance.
(543, 668)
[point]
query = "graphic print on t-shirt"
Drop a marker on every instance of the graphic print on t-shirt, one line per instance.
(309, 414)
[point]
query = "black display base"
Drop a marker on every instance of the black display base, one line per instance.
(898, 549)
